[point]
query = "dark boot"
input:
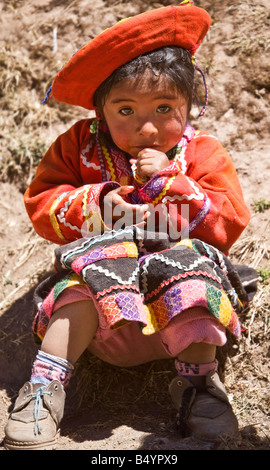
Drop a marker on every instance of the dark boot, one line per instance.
(205, 412)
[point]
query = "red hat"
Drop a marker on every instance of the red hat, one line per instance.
(184, 25)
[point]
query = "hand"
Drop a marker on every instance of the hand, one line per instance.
(116, 208)
(149, 162)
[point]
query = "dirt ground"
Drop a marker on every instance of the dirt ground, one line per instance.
(109, 408)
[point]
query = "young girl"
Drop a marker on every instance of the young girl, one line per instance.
(117, 194)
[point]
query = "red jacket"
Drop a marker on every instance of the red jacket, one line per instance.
(200, 181)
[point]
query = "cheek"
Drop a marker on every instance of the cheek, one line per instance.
(174, 129)
(119, 135)
(176, 126)
(116, 130)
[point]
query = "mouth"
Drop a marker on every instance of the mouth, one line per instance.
(147, 146)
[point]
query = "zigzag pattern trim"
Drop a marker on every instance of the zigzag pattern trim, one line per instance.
(118, 286)
(109, 162)
(84, 204)
(197, 195)
(167, 261)
(61, 215)
(108, 273)
(86, 244)
(180, 157)
(84, 159)
(53, 218)
(173, 263)
(164, 190)
(177, 277)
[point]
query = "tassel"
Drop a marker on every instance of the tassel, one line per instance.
(48, 96)
(94, 127)
(99, 148)
(203, 110)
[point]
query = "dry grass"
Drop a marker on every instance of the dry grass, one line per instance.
(30, 259)
(254, 41)
(251, 250)
(21, 119)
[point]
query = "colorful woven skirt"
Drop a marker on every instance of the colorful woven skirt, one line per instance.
(139, 276)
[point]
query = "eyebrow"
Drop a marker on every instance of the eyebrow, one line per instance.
(120, 100)
(157, 98)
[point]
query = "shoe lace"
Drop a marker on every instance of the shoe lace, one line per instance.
(184, 411)
(38, 395)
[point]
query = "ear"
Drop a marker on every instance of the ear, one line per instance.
(99, 113)
(101, 119)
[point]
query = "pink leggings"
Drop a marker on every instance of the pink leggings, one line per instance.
(127, 346)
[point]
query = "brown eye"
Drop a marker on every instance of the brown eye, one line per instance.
(126, 111)
(163, 109)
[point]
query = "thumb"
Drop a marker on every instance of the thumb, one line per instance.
(125, 189)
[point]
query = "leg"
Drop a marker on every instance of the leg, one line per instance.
(34, 421)
(196, 361)
(70, 330)
(199, 353)
(204, 411)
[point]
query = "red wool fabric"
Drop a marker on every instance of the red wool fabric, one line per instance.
(184, 25)
(64, 185)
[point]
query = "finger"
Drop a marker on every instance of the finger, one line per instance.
(140, 208)
(146, 215)
(132, 212)
(119, 196)
(143, 207)
(146, 152)
(125, 190)
(125, 205)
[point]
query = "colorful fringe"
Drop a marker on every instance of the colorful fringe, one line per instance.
(137, 276)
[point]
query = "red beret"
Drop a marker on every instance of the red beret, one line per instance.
(184, 25)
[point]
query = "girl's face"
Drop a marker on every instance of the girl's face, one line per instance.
(142, 115)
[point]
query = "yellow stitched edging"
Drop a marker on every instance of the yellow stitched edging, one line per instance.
(93, 225)
(84, 203)
(53, 219)
(225, 310)
(164, 190)
(152, 326)
(186, 242)
(131, 249)
(197, 133)
(107, 156)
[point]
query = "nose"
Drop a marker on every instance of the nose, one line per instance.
(147, 128)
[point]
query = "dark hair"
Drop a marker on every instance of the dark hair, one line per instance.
(172, 62)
